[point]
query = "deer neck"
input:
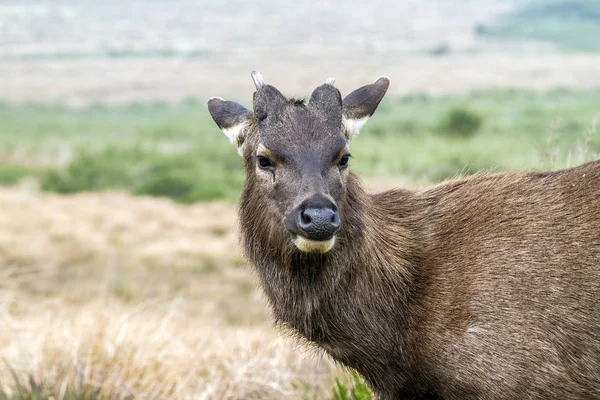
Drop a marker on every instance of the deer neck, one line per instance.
(373, 258)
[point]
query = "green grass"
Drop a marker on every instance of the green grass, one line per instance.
(460, 122)
(177, 151)
(358, 390)
(518, 129)
(12, 173)
(194, 174)
(568, 24)
(156, 149)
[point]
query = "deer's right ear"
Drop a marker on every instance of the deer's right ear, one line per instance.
(232, 118)
(359, 105)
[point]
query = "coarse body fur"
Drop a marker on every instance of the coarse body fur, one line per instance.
(480, 288)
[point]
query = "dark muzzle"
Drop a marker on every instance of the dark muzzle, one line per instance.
(317, 219)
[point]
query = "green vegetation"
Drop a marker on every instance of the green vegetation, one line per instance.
(13, 173)
(176, 150)
(568, 24)
(460, 121)
(154, 149)
(358, 391)
(187, 176)
(519, 131)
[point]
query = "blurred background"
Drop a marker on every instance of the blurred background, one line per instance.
(120, 274)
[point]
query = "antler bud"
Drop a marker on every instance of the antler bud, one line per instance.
(258, 79)
(330, 80)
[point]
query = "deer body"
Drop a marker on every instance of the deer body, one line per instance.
(482, 288)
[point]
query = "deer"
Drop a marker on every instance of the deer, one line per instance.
(481, 287)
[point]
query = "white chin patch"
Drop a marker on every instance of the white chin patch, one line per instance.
(313, 246)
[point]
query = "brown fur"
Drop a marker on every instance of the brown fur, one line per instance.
(483, 288)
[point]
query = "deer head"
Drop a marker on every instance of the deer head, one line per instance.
(297, 153)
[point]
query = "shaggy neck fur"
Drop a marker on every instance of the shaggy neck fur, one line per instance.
(342, 300)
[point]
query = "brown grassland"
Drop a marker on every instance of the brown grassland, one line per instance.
(139, 297)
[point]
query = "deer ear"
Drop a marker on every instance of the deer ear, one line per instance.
(359, 105)
(232, 118)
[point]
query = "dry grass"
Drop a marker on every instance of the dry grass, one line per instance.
(152, 350)
(139, 297)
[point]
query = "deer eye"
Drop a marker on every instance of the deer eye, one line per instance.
(344, 161)
(264, 163)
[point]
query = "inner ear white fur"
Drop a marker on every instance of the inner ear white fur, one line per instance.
(353, 126)
(234, 133)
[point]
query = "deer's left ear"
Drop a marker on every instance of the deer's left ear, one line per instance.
(359, 105)
(232, 118)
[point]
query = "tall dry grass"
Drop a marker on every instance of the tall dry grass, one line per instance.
(155, 350)
(141, 298)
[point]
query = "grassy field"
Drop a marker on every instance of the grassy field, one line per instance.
(120, 272)
(176, 150)
(109, 295)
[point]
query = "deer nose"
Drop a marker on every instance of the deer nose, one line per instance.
(318, 223)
